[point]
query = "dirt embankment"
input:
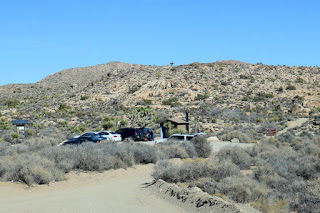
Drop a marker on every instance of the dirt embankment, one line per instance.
(196, 200)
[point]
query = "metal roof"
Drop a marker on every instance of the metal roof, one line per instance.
(20, 122)
(177, 120)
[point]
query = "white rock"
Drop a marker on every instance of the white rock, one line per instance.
(235, 140)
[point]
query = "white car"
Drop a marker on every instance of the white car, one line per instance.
(109, 135)
(179, 137)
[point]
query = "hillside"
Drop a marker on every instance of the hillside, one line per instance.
(220, 96)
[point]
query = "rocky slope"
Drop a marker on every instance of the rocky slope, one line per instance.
(219, 96)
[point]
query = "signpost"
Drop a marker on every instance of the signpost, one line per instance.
(271, 132)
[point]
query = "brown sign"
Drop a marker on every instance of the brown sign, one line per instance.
(271, 132)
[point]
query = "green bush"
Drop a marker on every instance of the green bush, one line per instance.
(63, 107)
(144, 102)
(201, 97)
(123, 122)
(299, 80)
(291, 87)
(15, 135)
(134, 88)
(108, 125)
(84, 97)
(12, 103)
(173, 102)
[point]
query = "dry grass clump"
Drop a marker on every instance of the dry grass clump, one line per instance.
(197, 147)
(237, 156)
(284, 177)
(192, 171)
(41, 162)
(29, 169)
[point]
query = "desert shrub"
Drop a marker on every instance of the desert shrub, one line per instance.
(15, 135)
(189, 147)
(6, 149)
(48, 162)
(286, 137)
(176, 131)
(219, 170)
(108, 125)
(173, 150)
(284, 178)
(63, 107)
(134, 88)
(144, 154)
(167, 171)
(172, 102)
(174, 173)
(123, 122)
(201, 146)
(237, 155)
(238, 188)
(243, 138)
(144, 102)
(12, 103)
(84, 97)
(47, 132)
(291, 87)
(201, 97)
(191, 171)
(29, 169)
(299, 80)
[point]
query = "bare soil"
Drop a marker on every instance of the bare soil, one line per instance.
(112, 191)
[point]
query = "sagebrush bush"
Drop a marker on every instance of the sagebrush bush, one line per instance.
(238, 156)
(29, 169)
(285, 176)
(40, 161)
(201, 146)
(192, 171)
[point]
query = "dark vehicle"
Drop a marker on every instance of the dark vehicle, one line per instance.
(132, 133)
(148, 134)
(82, 139)
(96, 135)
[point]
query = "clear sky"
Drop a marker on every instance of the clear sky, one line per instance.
(42, 37)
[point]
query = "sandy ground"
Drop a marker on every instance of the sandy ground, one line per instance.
(119, 190)
(293, 124)
(112, 191)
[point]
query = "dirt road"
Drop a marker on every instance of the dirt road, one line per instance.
(112, 191)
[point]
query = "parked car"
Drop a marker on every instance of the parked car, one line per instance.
(148, 134)
(179, 137)
(132, 133)
(111, 136)
(95, 134)
(81, 139)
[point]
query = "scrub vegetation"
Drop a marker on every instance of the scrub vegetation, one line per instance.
(274, 176)
(41, 162)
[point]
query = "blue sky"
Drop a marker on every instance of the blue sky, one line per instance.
(39, 38)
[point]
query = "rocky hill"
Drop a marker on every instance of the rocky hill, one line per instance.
(220, 96)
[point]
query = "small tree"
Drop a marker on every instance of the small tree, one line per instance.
(171, 63)
(169, 126)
